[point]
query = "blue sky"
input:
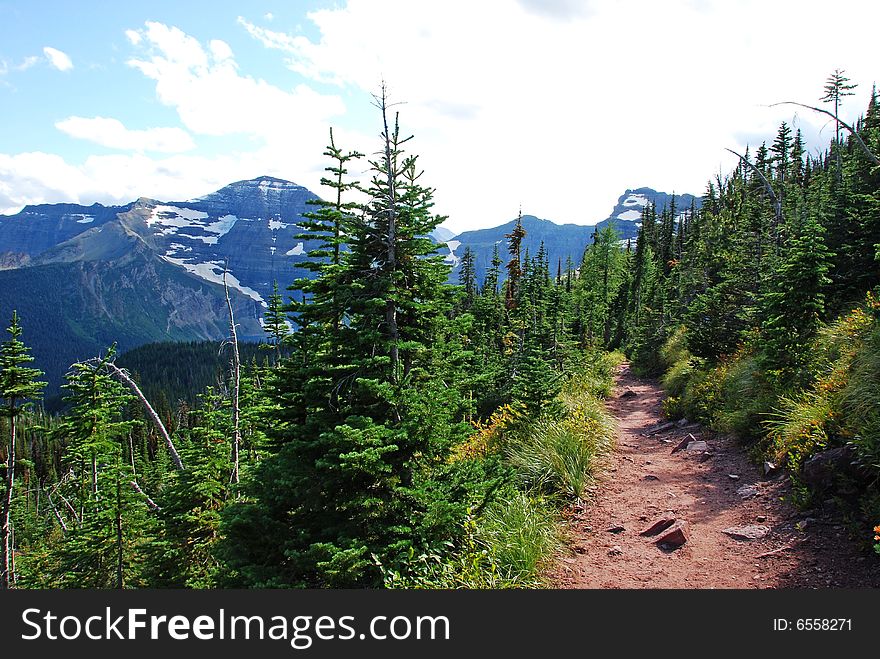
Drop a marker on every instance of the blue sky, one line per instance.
(555, 106)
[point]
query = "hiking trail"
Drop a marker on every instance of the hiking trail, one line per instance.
(711, 488)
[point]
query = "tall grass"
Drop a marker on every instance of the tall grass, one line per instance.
(522, 534)
(557, 455)
(860, 402)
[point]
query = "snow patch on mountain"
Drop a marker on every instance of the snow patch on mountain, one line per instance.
(80, 218)
(451, 257)
(212, 271)
(629, 215)
(222, 226)
(635, 200)
(274, 225)
(171, 216)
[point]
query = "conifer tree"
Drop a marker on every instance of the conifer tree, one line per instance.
(836, 87)
(110, 525)
(18, 384)
(795, 303)
(514, 265)
(275, 322)
(467, 278)
(355, 440)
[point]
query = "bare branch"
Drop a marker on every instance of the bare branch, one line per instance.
(57, 514)
(776, 203)
(137, 488)
(124, 377)
(851, 130)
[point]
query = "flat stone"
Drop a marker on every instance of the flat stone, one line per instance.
(749, 532)
(650, 477)
(628, 393)
(675, 536)
(616, 529)
(658, 525)
(615, 551)
(697, 446)
(747, 491)
(733, 477)
(684, 442)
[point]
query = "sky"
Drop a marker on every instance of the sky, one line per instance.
(552, 107)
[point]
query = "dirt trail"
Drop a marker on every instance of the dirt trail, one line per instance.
(644, 480)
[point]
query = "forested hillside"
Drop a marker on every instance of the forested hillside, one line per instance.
(404, 432)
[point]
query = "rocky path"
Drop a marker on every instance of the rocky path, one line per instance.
(737, 528)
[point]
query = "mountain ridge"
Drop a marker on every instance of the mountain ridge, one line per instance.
(74, 268)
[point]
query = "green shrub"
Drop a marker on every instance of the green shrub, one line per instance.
(860, 403)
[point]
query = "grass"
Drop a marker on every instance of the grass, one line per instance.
(522, 535)
(556, 455)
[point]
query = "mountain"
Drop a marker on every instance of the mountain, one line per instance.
(561, 241)
(83, 277)
(627, 213)
(441, 234)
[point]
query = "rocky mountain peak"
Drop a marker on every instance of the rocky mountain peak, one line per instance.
(264, 196)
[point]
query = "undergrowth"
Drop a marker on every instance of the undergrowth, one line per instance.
(512, 541)
(838, 406)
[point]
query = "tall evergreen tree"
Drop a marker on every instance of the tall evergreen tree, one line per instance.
(794, 305)
(18, 384)
(275, 322)
(108, 530)
(356, 439)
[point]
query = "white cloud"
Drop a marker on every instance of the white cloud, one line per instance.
(112, 133)
(32, 178)
(24, 65)
(557, 107)
(58, 59)
(213, 98)
(562, 112)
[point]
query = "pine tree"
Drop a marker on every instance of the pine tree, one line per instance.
(836, 87)
(355, 439)
(467, 278)
(792, 308)
(110, 524)
(490, 283)
(514, 265)
(275, 322)
(18, 384)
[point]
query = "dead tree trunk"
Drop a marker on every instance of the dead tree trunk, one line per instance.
(6, 564)
(852, 131)
(123, 376)
(236, 385)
